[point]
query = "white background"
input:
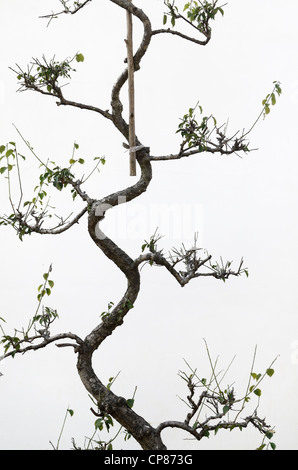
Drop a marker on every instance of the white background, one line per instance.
(240, 207)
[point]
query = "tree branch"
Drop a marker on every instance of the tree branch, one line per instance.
(67, 10)
(46, 340)
(218, 404)
(42, 77)
(203, 430)
(64, 102)
(198, 17)
(181, 35)
(19, 223)
(191, 261)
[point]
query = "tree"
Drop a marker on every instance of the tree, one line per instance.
(200, 133)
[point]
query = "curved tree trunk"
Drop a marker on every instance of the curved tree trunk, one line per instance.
(107, 401)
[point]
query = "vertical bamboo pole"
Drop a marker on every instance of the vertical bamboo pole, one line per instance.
(131, 94)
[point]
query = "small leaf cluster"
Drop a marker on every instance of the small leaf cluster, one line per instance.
(59, 177)
(47, 317)
(199, 135)
(272, 445)
(195, 133)
(29, 215)
(257, 391)
(198, 14)
(173, 13)
(15, 221)
(44, 320)
(7, 151)
(270, 99)
(201, 12)
(104, 420)
(151, 245)
(217, 408)
(67, 9)
(222, 269)
(258, 377)
(45, 288)
(48, 314)
(107, 313)
(44, 74)
(13, 342)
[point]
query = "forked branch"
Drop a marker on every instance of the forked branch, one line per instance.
(185, 264)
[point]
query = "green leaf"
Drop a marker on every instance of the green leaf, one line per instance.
(256, 376)
(2, 148)
(277, 88)
(257, 392)
(270, 372)
(51, 283)
(81, 161)
(80, 58)
(111, 378)
(71, 412)
(8, 153)
(225, 409)
(45, 276)
(165, 19)
(130, 402)
(273, 99)
(261, 447)
(2, 169)
(267, 109)
(98, 424)
(272, 445)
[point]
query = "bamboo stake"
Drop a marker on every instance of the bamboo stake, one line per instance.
(131, 95)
